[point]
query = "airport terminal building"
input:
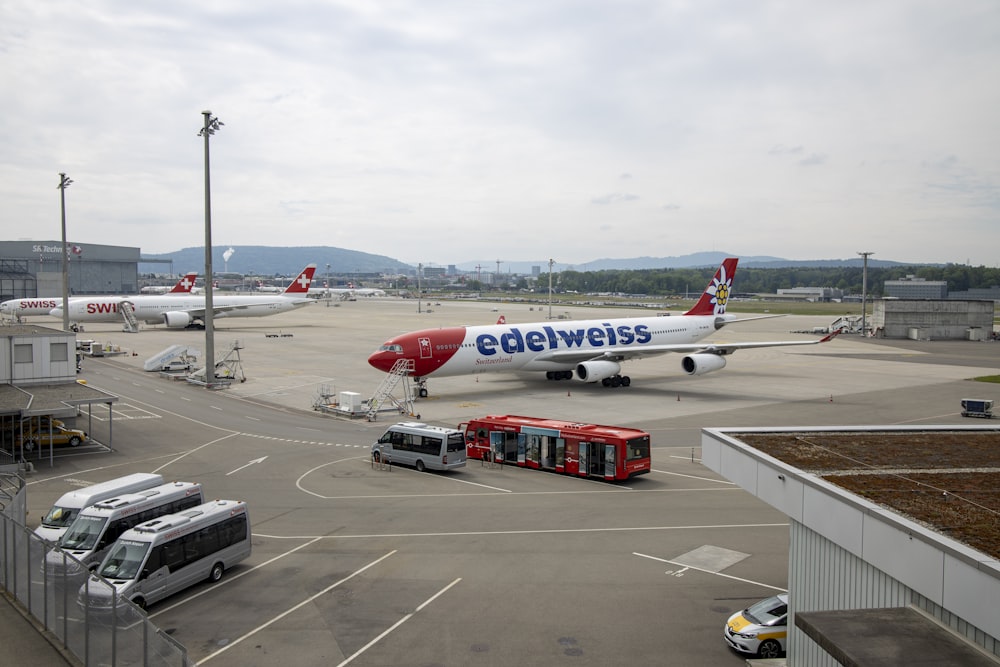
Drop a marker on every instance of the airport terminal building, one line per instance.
(31, 269)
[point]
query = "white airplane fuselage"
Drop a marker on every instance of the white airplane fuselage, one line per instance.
(178, 310)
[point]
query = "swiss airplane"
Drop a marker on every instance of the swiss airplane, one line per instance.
(184, 286)
(18, 308)
(585, 350)
(178, 312)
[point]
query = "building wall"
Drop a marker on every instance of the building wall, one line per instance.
(937, 319)
(822, 576)
(915, 289)
(848, 553)
(92, 268)
(42, 368)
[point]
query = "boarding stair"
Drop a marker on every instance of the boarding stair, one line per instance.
(162, 360)
(399, 373)
(127, 310)
(228, 370)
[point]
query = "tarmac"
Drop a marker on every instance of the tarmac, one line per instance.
(299, 359)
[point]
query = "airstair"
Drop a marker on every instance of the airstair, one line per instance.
(175, 356)
(127, 311)
(400, 372)
(228, 370)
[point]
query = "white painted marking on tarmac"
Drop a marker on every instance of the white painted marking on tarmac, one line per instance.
(247, 465)
(703, 479)
(256, 419)
(717, 574)
(227, 580)
(398, 623)
(551, 531)
(293, 609)
(192, 451)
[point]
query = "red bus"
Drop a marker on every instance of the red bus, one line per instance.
(570, 448)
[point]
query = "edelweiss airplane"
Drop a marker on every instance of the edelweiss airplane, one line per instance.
(19, 308)
(180, 311)
(587, 350)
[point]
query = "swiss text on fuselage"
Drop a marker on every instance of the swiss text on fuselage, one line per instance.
(549, 338)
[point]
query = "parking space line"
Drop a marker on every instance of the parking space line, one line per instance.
(293, 609)
(398, 623)
(718, 574)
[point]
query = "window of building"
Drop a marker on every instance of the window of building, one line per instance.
(59, 351)
(23, 353)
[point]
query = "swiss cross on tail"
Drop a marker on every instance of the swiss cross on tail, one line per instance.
(301, 283)
(185, 284)
(715, 297)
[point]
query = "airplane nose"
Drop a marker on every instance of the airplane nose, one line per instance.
(379, 359)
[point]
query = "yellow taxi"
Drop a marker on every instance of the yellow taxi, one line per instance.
(761, 628)
(60, 435)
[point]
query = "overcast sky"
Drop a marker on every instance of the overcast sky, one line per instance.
(454, 130)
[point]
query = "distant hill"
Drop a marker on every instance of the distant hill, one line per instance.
(694, 260)
(279, 261)
(269, 260)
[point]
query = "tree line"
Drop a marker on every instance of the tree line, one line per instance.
(770, 280)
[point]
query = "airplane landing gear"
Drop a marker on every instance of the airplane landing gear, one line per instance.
(617, 381)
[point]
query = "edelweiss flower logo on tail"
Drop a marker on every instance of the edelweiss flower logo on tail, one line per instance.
(719, 289)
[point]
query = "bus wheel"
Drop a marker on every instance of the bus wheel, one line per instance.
(216, 573)
(420, 465)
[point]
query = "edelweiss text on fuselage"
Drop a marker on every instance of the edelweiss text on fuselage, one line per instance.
(550, 338)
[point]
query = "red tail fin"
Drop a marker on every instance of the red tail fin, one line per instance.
(185, 284)
(301, 283)
(501, 320)
(715, 297)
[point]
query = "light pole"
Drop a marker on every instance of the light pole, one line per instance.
(864, 292)
(420, 269)
(208, 129)
(64, 182)
(551, 262)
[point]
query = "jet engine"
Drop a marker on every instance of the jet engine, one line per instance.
(177, 320)
(595, 371)
(699, 364)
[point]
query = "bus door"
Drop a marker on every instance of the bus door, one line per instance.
(521, 447)
(534, 452)
(609, 461)
(560, 444)
(572, 458)
(584, 458)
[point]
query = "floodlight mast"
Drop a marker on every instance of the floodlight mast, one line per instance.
(64, 182)
(211, 125)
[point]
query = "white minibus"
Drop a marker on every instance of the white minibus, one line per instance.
(421, 446)
(161, 557)
(69, 505)
(98, 526)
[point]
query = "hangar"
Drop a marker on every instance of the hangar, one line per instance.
(31, 269)
(894, 550)
(933, 319)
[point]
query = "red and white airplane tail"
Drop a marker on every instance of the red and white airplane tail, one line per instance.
(185, 284)
(715, 297)
(300, 286)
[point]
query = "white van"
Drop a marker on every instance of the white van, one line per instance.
(421, 446)
(166, 555)
(66, 509)
(98, 526)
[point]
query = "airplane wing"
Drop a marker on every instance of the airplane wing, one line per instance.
(625, 353)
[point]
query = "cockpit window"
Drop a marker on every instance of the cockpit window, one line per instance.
(394, 347)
